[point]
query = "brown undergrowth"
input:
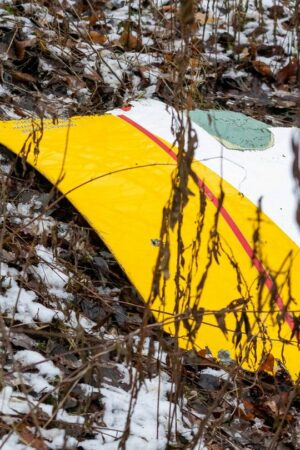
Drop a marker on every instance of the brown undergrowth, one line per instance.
(106, 323)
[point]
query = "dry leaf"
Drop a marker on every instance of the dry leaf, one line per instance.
(270, 50)
(29, 439)
(97, 38)
(129, 41)
(204, 353)
(93, 19)
(74, 82)
(22, 76)
(262, 68)
(169, 57)
(247, 411)
(22, 340)
(195, 63)
(144, 73)
(220, 318)
(187, 12)
(276, 12)
(168, 8)
(288, 71)
(71, 43)
(268, 364)
(272, 404)
(21, 46)
(91, 75)
(278, 403)
(202, 18)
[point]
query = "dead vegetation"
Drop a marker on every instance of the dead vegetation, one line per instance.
(66, 57)
(79, 347)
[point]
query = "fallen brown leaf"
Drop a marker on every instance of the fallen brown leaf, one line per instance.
(93, 19)
(168, 8)
(263, 69)
(74, 82)
(92, 75)
(129, 41)
(288, 71)
(270, 50)
(276, 12)
(21, 46)
(204, 353)
(202, 18)
(22, 76)
(29, 439)
(278, 403)
(5, 48)
(272, 404)
(247, 412)
(143, 72)
(268, 364)
(195, 63)
(97, 38)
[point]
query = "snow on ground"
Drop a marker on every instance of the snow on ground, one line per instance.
(69, 342)
(36, 293)
(22, 304)
(151, 418)
(118, 51)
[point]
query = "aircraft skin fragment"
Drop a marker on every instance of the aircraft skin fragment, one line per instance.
(118, 174)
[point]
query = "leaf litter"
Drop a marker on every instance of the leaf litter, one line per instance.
(73, 57)
(79, 369)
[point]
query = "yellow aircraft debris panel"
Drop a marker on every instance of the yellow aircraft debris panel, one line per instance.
(229, 272)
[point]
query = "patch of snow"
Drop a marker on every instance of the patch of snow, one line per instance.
(150, 416)
(38, 224)
(258, 423)
(33, 358)
(119, 14)
(218, 373)
(6, 271)
(74, 322)
(8, 112)
(57, 439)
(143, 58)
(13, 403)
(26, 214)
(88, 390)
(218, 57)
(50, 272)
(45, 66)
(37, 382)
(3, 90)
(23, 306)
(23, 209)
(60, 52)
(63, 416)
(271, 62)
(150, 346)
(267, 4)
(234, 74)
(112, 70)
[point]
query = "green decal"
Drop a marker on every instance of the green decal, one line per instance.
(234, 130)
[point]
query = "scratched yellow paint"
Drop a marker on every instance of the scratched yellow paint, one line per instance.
(120, 181)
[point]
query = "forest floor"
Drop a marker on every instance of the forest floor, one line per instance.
(80, 369)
